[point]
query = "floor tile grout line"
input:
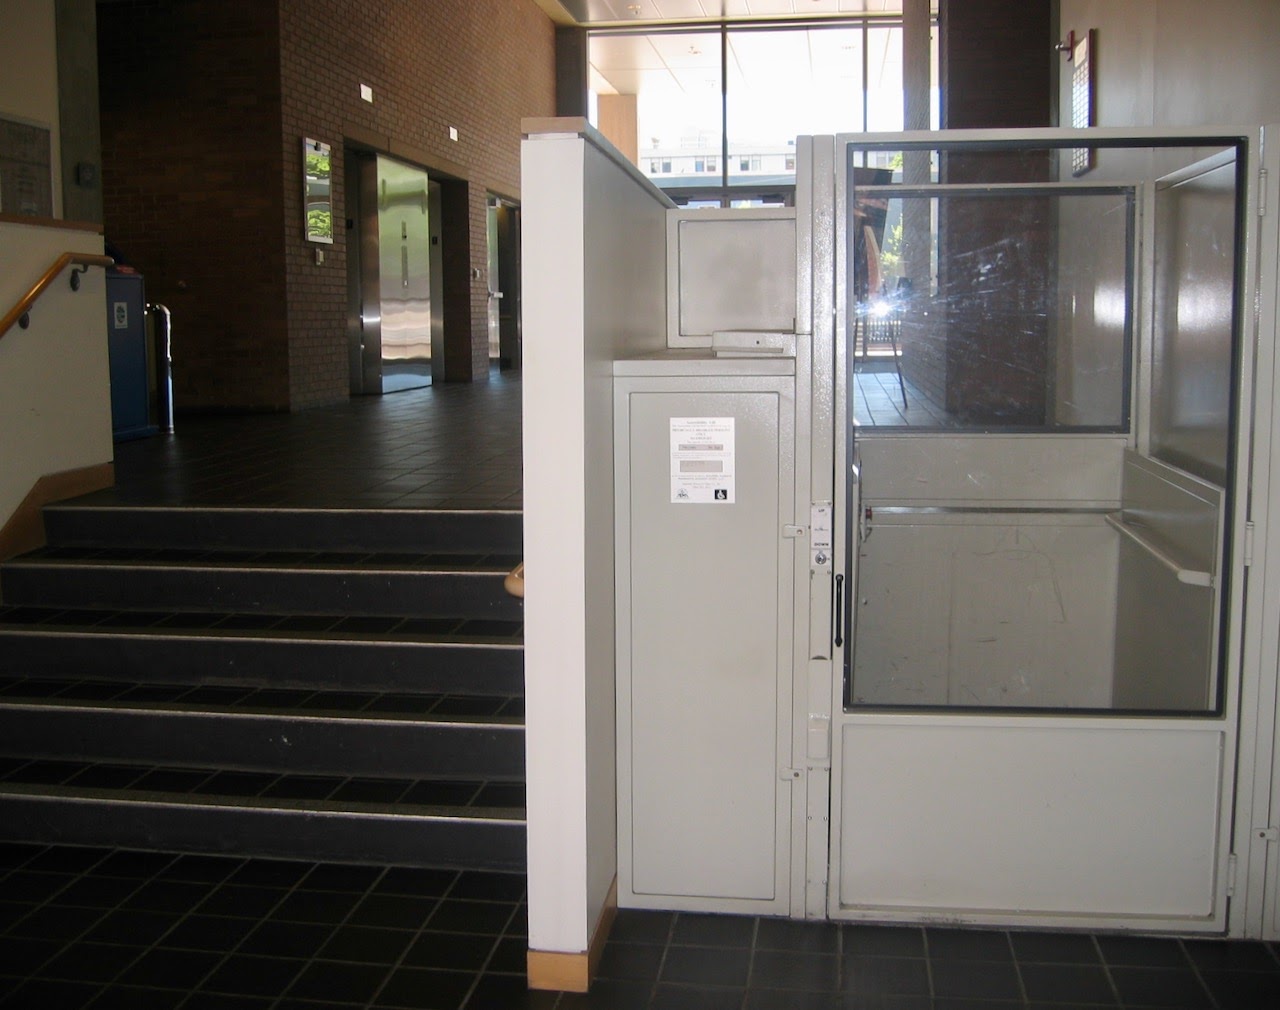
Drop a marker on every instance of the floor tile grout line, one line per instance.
(258, 921)
(1195, 970)
(119, 907)
(417, 936)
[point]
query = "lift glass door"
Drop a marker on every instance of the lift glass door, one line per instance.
(1032, 684)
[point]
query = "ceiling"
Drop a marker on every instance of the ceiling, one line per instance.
(613, 13)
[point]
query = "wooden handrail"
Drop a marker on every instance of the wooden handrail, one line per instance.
(514, 582)
(48, 277)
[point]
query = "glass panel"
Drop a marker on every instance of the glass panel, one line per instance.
(1195, 305)
(1007, 557)
(884, 80)
(1001, 309)
(785, 83)
(658, 99)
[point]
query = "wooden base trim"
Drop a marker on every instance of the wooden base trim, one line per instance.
(25, 530)
(572, 972)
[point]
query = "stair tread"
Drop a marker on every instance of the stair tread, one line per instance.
(435, 630)
(336, 561)
(223, 786)
(270, 681)
(171, 696)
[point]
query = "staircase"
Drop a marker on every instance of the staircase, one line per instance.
(338, 685)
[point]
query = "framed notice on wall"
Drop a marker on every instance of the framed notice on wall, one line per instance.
(1082, 108)
(26, 181)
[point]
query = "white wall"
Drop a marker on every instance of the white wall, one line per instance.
(29, 75)
(1179, 62)
(594, 265)
(55, 407)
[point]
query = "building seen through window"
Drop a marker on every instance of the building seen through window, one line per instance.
(712, 116)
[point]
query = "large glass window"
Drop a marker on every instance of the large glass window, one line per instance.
(712, 116)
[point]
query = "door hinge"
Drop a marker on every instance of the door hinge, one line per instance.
(1231, 875)
(1262, 192)
(1267, 834)
(1248, 543)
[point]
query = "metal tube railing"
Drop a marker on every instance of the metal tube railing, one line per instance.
(20, 312)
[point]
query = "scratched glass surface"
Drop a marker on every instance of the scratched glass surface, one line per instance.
(992, 292)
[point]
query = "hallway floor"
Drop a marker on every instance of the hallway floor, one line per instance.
(104, 928)
(453, 446)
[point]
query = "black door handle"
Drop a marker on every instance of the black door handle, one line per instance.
(839, 611)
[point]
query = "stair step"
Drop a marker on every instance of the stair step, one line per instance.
(391, 530)
(275, 659)
(409, 835)
(342, 684)
(314, 585)
(232, 785)
(245, 737)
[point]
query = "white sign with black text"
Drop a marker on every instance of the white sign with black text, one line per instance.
(702, 461)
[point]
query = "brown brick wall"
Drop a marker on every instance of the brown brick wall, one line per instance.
(996, 67)
(477, 65)
(996, 62)
(205, 104)
(190, 98)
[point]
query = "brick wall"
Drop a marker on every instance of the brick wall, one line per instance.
(996, 63)
(190, 105)
(996, 67)
(477, 65)
(205, 104)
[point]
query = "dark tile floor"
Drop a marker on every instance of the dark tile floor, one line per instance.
(447, 446)
(102, 929)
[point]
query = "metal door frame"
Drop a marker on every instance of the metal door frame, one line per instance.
(1249, 666)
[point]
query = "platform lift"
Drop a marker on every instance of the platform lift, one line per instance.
(957, 623)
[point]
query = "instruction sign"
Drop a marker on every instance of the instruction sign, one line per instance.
(702, 461)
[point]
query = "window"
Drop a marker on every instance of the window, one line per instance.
(780, 81)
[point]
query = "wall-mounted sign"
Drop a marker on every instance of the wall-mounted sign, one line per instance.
(26, 182)
(702, 461)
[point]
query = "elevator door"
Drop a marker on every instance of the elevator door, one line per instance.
(395, 277)
(1031, 724)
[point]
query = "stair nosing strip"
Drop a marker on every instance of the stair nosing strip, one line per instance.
(310, 808)
(253, 510)
(315, 717)
(255, 569)
(240, 635)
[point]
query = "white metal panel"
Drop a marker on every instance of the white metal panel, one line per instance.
(729, 270)
(1016, 817)
(704, 600)
(1004, 470)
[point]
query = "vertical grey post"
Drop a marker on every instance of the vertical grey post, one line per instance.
(916, 237)
(77, 33)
